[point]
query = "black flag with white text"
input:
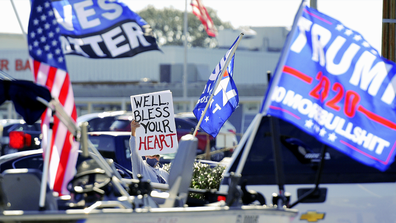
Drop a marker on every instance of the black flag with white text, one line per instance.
(102, 29)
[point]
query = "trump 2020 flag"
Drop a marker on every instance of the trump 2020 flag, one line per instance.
(337, 87)
(102, 29)
(225, 97)
(49, 69)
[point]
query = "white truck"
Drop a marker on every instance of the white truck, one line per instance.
(347, 191)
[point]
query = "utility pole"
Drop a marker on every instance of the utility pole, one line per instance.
(313, 4)
(185, 58)
(388, 29)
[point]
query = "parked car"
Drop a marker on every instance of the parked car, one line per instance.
(28, 137)
(99, 121)
(33, 159)
(226, 138)
(5, 124)
(19, 136)
(183, 126)
(349, 191)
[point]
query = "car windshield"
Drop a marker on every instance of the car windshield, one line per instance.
(25, 127)
(300, 156)
(100, 124)
(121, 125)
(104, 144)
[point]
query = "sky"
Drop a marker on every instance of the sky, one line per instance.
(363, 16)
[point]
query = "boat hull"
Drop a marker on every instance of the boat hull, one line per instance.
(157, 215)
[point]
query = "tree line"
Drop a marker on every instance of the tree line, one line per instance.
(168, 23)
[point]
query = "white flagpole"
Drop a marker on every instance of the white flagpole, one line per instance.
(19, 20)
(218, 82)
(44, 177)
(282, 59)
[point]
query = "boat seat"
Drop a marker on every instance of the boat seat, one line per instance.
(3, 197)
(22, 190)
(181, 171)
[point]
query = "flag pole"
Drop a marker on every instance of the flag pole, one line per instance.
(273, 121)
(19, 20)
(218, 82)
(185, 58)
(282, 60)
(47, 151)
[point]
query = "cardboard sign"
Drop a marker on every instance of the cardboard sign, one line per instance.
(157, 131)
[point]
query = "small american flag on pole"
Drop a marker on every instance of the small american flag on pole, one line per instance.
(49, 69)
(199, 10)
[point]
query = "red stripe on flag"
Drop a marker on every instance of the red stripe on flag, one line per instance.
(36, 67)
(316, 16)
(64, 155)
(51, 78)
(377, 118)
(53, 142)
(51, 75)
(285, 111)
(363, 153)
(298, 74)
(64, 159)
(74, 112)
(64, 90)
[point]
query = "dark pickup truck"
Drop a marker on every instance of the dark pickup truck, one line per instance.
(24, 137)
(21, 137)
(111, 144)
(114, 145)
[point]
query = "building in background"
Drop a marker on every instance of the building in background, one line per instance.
(107, 84)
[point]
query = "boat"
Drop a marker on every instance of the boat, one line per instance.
(125, 200)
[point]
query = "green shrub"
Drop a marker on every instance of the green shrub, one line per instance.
(204, 177)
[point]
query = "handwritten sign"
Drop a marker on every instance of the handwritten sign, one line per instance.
(157, 131)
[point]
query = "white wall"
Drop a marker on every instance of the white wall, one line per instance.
(250, 66)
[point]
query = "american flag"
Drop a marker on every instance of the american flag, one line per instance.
(199, 10)
(49, 69)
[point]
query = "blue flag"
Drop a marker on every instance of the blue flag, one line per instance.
(336, 87)
(102, 29)
(23, 95)
(225, 99)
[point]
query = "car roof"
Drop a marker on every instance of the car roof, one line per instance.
(6, 122)
(111, 133)
(185, 114)
(12, 156)
(126, 116)
(90, 116)
(27, 153)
